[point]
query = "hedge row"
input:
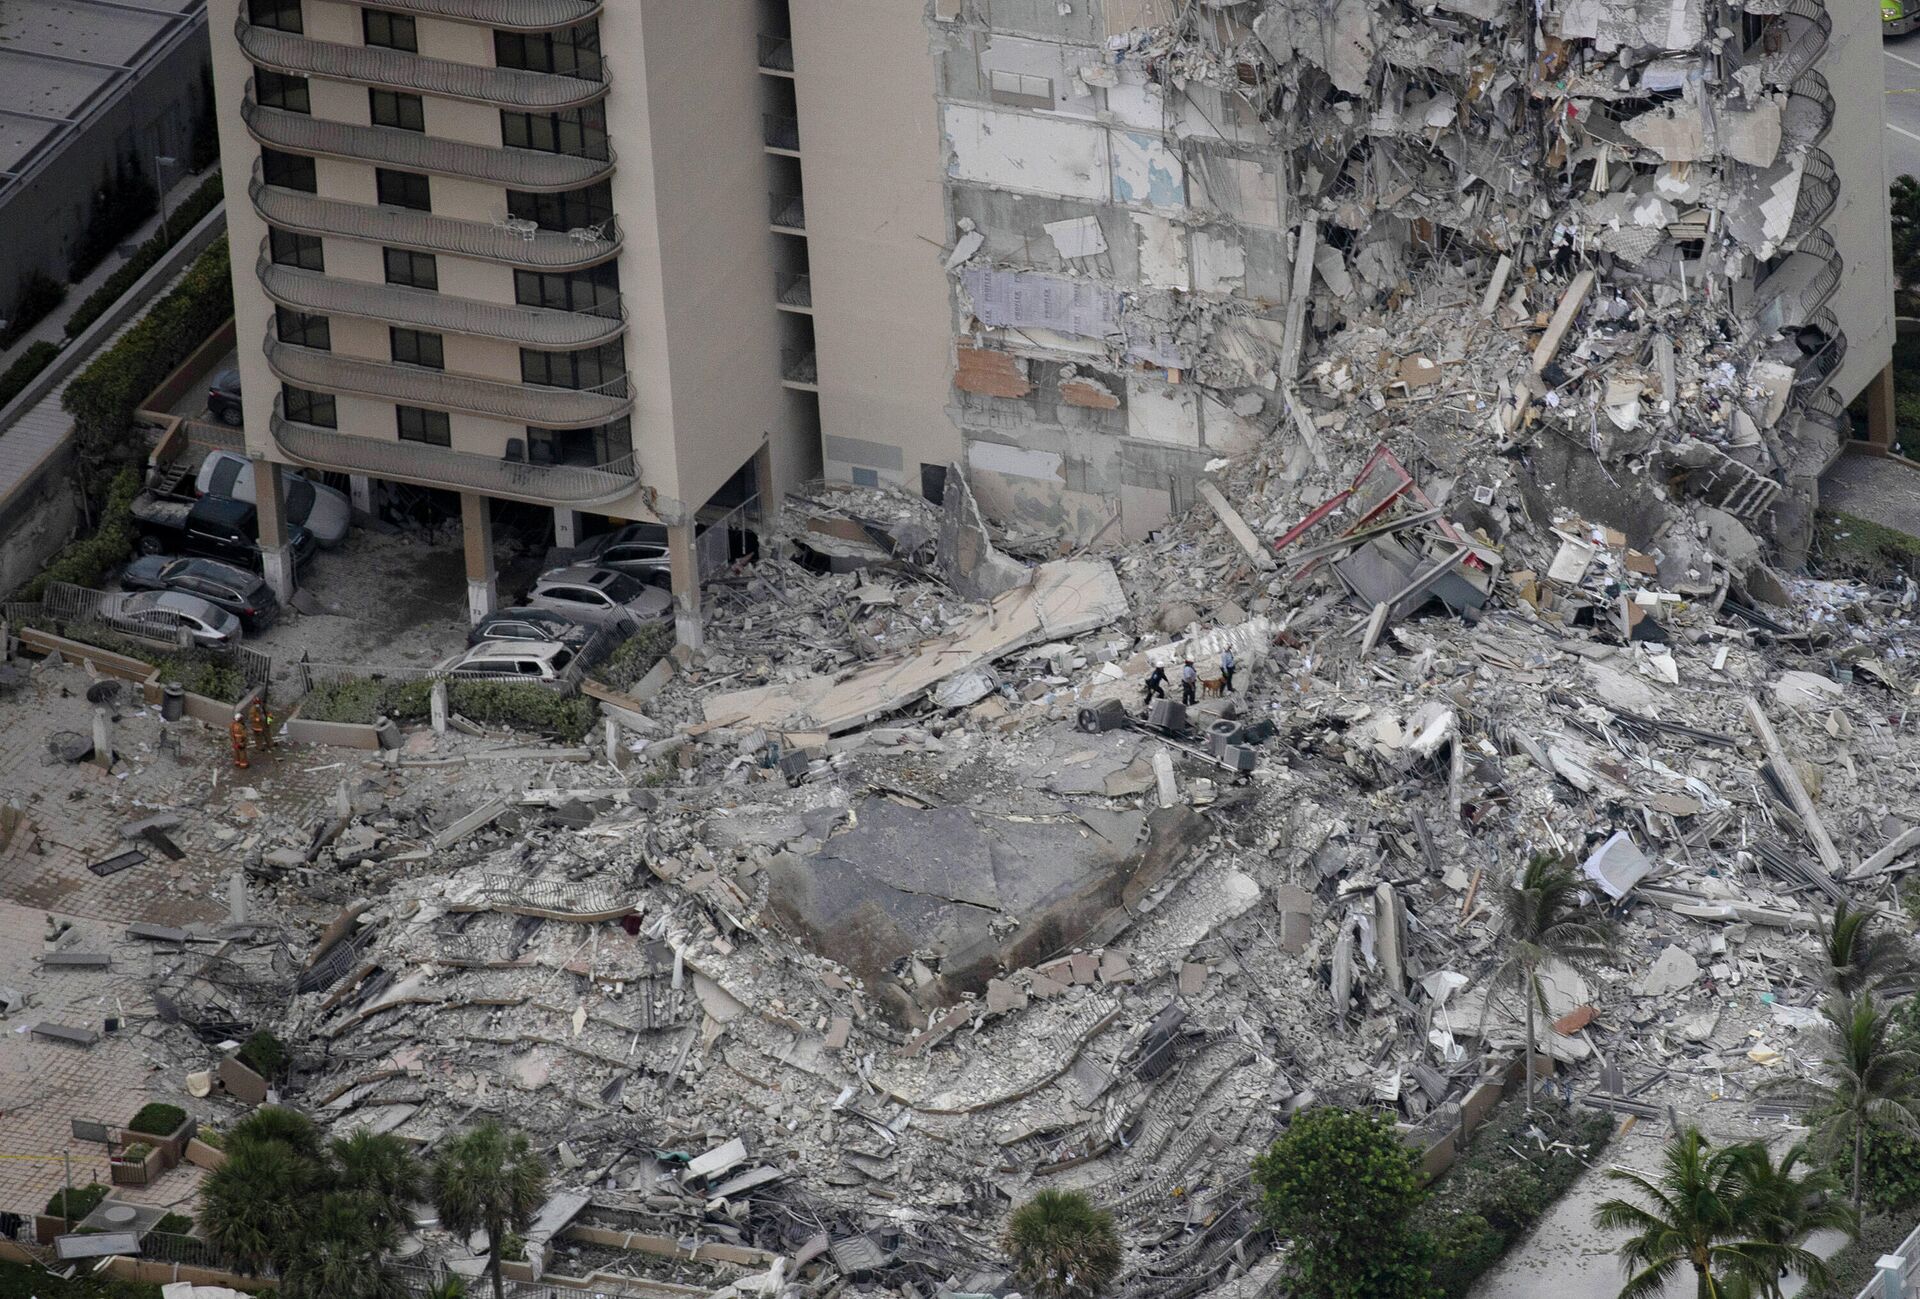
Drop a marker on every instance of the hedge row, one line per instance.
(1489, 1199)
(195, 670)
(636, 656)
(103, 397)
(496, 703)
(205, 197)
(24, 369)
(88, 560)
(39, 294)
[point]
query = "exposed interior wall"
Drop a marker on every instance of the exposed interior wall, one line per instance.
(1855, 68)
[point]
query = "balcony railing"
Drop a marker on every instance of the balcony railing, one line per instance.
(387, 146)
(782, 132)
(513, 403)
(1823, 406)
(1824, 347)
(1819, 191)
(787, 211)
(798, 365)
(793, 290)
(321, 294)
(518, 244)
(1808, 114)
(776, 54)
(508, 15)
(1796, 289)
(376, 65)
(1791, 41)
(458, 471)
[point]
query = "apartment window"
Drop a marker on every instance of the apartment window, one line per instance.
(290, 249)
(277, 90)
(394, 31)
(391, 108)
(402, 189)
(577, 132)
(574, 52)
(281, 15)
(1019, 89)
(417, 347)
(303, 407)
(592, 368)
(415, 270)
(565, 211)
(589, 290)
(603, 444)
(288, 171)
(429, 426)
(302, 330)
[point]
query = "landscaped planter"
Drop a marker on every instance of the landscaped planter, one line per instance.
(172, 1145)
(130, 1168)
(46, 1226)
(202, 1155)
(114, 665)
(341, 735)
(242, 1083)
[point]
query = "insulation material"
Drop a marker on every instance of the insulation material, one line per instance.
(1163, 252)
(1028, 300)
(1079, 237)
(1011, 150)
(1016, 462)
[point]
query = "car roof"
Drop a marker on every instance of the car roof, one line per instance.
(227, 509)
(527, 613)
(220, 569)
(178, 601)
(227, 379)
(514, 649)
(578, 575)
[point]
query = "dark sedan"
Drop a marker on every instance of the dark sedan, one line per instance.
(239, 592)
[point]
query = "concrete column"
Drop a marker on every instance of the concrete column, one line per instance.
(763, 484)
(566, 527)
(476, 518)
(1880, 425)
(270, 506)
(360, 488)
(103, 737)
(437, 707)
(685, 560)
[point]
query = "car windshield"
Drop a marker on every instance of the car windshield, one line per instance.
(623, 589)
(560, 660)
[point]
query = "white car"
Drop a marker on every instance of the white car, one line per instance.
(164, 612)
(545, 662)
(600, 597)
(324, 511)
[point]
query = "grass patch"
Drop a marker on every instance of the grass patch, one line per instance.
(199, 672)
(1491, 1198)
(175, 1224)
(158, 1119)
(264, 1054)
(77, 1204)
(1853, 546)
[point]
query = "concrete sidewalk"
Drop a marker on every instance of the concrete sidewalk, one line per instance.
(1880, 491)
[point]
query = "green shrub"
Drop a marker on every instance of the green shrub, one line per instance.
(495, 703)
(364, 700)
(636, 656)
(77, 1203)
(182, 219)
(158, 1119)
(175, 1224)
(25, 369)
(87, 561)
(1853, 1266)
(103, 397)
(1465, 1245)
(39, 294)
(213, 1137)
(134, 1153)
(263, 1054)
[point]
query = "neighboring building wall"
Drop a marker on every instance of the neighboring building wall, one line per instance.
(246, 234)
(877, 224)
(1854, 66)
(139, 114)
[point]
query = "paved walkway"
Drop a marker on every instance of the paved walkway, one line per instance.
(1879, 491)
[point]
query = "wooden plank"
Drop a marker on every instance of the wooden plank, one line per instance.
(1796, 792)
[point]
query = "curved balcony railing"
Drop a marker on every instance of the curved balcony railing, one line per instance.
(1792, 41)
(514, 403)
(517, 244)
(388, 146)
(318, 293)
(508, 15)
(1823, 406)
(458, 471)
(376, 65)
(1819, 191)
(1824, 347)
(1808, 114)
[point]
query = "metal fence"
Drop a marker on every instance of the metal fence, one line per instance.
(83, 614)
(188, 1251)
(307, 674)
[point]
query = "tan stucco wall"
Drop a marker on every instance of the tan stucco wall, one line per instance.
(1854, 66)
(876, 224)
(245, 231)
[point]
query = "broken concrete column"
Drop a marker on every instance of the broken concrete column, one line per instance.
(237, 908)
(616, 755)
(103, 737)
(1389, 924)
(437, 702)
(1163, 774)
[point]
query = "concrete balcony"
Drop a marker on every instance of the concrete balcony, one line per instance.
(1808, 113)
(511, 403)
(800, 368)
(1819, 191)
(387, 146)
(507, 15)
(782, 133)
(776, 55)
(457, 471)
(787, 213)
(793, 291)
(1795, 290)
(318, 293)
(375, 65)
(1794, 37)
(426, 232)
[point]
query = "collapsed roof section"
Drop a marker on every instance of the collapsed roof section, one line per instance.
(1182, 228)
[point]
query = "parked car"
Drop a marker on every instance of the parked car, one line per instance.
(324, 511)
(166, 611)
(223, 398)
(638, 549)
(227, 586)
(600, 597)
(217, 527)
(544, 662)
(527, 624)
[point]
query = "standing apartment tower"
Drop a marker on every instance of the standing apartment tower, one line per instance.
(555, 252)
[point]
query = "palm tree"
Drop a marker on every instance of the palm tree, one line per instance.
(1704, 1212)
(1542, 920)
(342, 1252)
(254, 1206)
(488, 1177)
(1794, 1204)
(380, 1167)
(1874, 1083)
(1062, 1247)
(278, 1125)
(1859, 954)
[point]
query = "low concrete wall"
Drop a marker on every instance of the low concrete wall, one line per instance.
(176, 385)
(341, 735)
(38, 519)
(113, 665)
(150, 1272)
